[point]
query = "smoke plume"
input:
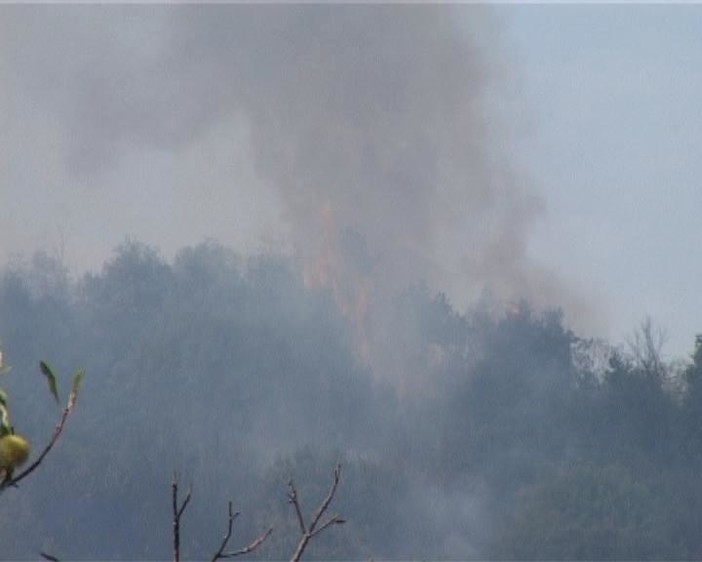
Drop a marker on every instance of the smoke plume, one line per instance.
(370, 140)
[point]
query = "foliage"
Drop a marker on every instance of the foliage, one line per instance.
(585, 512)
(517, 439)
(15, 449)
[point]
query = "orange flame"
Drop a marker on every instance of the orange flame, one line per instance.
(332, 270)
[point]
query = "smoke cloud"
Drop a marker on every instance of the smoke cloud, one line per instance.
(369, 140)
(381, 119)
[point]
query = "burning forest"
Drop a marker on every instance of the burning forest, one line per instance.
(293, 237)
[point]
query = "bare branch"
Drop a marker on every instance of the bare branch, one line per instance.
(301, 546)
(185, 504)
(177, 514)
(313, 529)
(325, 504)
(176, 522)
(646, 348)
(225, 540)
(334, 520)
(293, 499)
(253, 546)
(220, 554)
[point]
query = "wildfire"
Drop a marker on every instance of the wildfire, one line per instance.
(335, 268)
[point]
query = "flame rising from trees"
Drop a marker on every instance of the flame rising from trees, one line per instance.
(345, 273)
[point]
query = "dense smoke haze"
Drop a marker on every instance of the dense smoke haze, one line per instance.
(523, 440)
(280, 237)
(295, 128)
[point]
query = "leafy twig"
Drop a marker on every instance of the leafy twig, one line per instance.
(32, 467)
(12, 481)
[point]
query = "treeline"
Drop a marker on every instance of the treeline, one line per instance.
(518, 441)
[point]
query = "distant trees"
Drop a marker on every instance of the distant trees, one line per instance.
(514, 435)
(692, 405)
(586, 512)
(626, 487)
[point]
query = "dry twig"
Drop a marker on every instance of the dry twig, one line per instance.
(221, 554)
(177, 514)
(314, 528)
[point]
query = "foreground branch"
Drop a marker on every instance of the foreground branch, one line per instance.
(12, 481)
(315, 527)
(221, 554)
(177, 514)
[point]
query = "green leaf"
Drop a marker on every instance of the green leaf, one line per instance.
(5, 426)
(3, 398)
(75, 385)
(51, 378)
(3, 368)
(77, 379)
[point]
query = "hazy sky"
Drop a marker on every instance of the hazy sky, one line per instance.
(614, 148)
(547, 151)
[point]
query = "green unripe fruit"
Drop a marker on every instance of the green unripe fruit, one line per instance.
(14, 451)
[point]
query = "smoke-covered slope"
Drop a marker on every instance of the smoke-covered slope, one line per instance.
(231, 372)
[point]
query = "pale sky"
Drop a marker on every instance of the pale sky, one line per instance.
(106, 133)
(614, 146)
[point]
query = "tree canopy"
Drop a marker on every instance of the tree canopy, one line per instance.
(516, 442)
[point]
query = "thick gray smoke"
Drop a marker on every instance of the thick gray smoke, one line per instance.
(368, 139)
(377, 120)
(371, 142)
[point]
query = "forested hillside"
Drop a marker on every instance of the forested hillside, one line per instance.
(516, 439)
